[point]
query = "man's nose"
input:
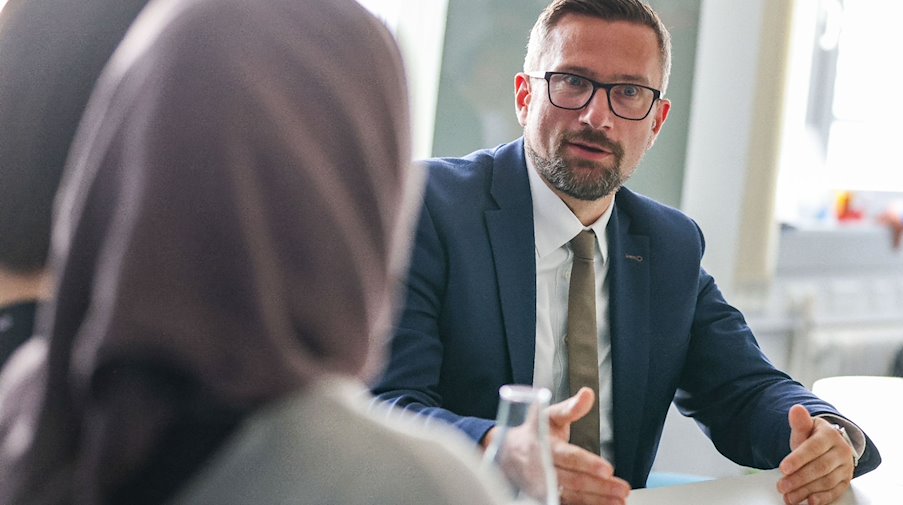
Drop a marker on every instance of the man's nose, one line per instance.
(598, 113)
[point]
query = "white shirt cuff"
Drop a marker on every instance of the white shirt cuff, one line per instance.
(857, 436)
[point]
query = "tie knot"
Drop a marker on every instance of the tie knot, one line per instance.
(584, 244)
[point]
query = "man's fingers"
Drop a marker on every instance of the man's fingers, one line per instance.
(581, 483)
(823, 442)
(829, 496)
(577, 459)
(578, 488)
(814, 473)
(820, 469)
(616, 495)
(584, 477)
(801, 425)
(821, 491)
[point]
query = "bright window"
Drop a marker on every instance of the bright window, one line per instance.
(865, 134)
(842, 132)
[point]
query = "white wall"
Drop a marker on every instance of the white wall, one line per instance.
(419, 28)
(721, 125)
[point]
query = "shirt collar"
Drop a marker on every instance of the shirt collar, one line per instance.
(554, 225)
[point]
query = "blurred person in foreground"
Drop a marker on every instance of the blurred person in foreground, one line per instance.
(229, 234)
(51, 52)
(489, 291)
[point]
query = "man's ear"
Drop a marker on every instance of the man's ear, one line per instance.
(661, 115)
(522, 96)
(658, 120)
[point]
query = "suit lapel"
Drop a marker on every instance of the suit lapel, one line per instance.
(510, 229)
(630, 334)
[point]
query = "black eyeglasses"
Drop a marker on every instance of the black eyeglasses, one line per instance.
(574, 92)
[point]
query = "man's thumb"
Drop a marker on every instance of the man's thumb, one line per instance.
(572, 409)
(801, 425)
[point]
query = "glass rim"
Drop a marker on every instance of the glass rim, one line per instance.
(522, 393)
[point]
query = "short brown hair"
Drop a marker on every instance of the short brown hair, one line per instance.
(631, 11)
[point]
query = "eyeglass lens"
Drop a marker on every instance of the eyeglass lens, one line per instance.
(574, 92)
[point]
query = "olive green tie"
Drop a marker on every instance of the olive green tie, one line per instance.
(582, 337)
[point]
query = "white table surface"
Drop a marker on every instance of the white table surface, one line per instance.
(760, 488)
(874, 403)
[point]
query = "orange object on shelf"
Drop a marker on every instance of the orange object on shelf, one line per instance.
(845, 209)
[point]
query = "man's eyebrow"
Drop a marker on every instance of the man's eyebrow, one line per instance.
(589, 74)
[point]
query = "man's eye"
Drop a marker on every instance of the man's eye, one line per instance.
(628, 91)
(575, 82)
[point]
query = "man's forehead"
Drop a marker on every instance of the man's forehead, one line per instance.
(603, 50)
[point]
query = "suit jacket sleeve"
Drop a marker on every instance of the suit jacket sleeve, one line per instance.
(742, 402)
(469, 319)
(411, 381)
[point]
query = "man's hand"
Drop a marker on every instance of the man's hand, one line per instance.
(583, 477)
(820, 466)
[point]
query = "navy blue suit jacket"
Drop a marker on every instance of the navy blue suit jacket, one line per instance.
(469, 322)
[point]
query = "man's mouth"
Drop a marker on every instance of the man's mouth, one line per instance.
(589, 150)
(593, 148)
(591, 143)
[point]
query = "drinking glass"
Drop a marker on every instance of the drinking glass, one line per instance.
(521, 447)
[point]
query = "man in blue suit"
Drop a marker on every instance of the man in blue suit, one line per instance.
(487, 294)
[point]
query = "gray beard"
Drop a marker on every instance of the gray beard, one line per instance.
(558, 174)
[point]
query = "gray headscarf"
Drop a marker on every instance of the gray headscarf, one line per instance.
(231, 227)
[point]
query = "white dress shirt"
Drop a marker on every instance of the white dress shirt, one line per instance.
(554, 225)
